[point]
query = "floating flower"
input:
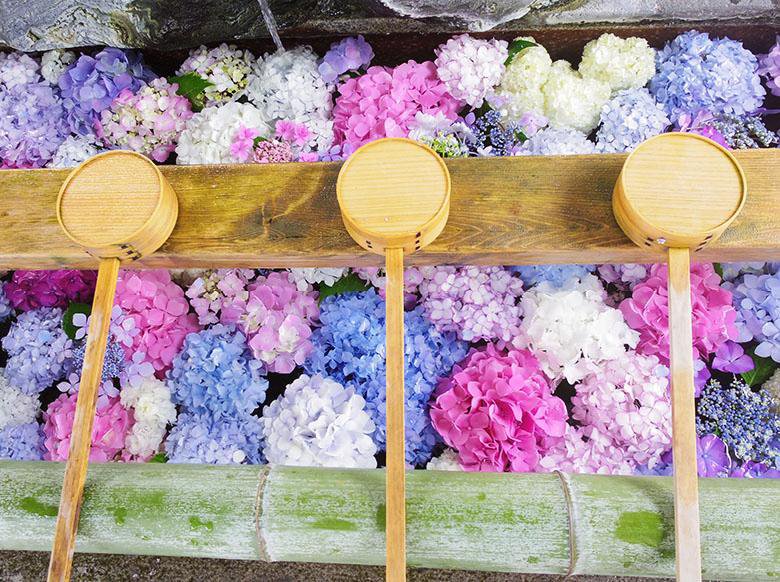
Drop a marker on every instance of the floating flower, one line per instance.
(446, 461)
(74, 150)
(304, 279)
(18, 69)
(555, 275)
(219, 296)
(622, 63)
(33, 289)
(347, 55)
(318, 423)
(153, 410)
(470, 67)
(200, 438)
(573, 101)
(225, 67)
(769, 67)
(497, 410)
(16, 407)
(521, 85)
(628, 119)
(553, 141)
(731, 357)
(22, 442)
(54, 63)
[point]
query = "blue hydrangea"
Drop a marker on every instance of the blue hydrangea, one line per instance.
(113, 361)
(557, 141)
(492, 137)
(215, 373)
(743, 419)
(556, 275)
(198, 437)
(757, 301)
(628, 119)
(5, 304)
(350, 348)
(39, 351)
(695, 72)
(22, 442)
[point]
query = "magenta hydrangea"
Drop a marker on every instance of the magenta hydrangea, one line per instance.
(385, 100)
(160, 312)
(498, 411)
(33, 289)
(647, 311)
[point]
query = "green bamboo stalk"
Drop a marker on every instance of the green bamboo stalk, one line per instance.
(494, 522)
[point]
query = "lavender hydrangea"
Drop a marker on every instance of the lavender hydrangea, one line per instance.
(18, 69)
(745, 132)
(198, 437)
(696, 72)
(91, 83)
(556, 275)
(557, 141)
(350, 348)
(757, 301)
(74, 150)
(628, 119)
(770, 67)
(22, 442)
(347, 55)
(39, 351)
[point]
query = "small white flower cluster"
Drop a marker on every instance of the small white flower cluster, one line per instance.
(54, 62)
(318, 423)
(153, 410)
(447, 461)
(557, 141)
(16, 407)
(74, 150)
(470, 67)
(225, 66)
(570, 329)
(622, 63)
(571, 100)
(287, 85)
(209, 134)
(18, 69)
(524, 77)
(305, 278)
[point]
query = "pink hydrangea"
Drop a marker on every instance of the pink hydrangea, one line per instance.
(498, 411)
(220, 296)
(159, 309)
(376, 276)
(385, 100)
(32, 289)
(470, 67)
(587, 450)
(112, 424)
(277, 320)
(273, 152)
(647, 311)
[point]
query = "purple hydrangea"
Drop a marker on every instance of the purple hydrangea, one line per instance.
(23, 442)
(770, 68)
(198, 437)
(491, 136)
(349, 54)
(712, 459)
(757, 301)
(91, 83)
(753, 470)
(628, 119)
(731, 357)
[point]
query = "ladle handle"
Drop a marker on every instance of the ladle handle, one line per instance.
(81, 437)
(395, 484)
(686, 485)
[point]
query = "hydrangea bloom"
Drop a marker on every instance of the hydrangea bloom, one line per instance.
(74, 150)
(696, 72)
(153, 410)
(382, 102)
(113, 366)
(757, 301)
(571, 100)
(491, 136)
(200, 438)
(753, 470)
(555, 275)
(32, 125)
(304, 279)
(622, 63)
(218, 296)
(350, 348)
(287, 85)
(712, 459)
(474, 302)
(318, 423)
(557, 141)
(744, 419)
(446, 461)
(54, 63)
(520, 90)
(587, 450)
(647, 311)
(277, 320)
(16, 407)
(209, 134)
(446, 137)
(570, 329)
(112, 424)
(349, 54)
(470, 67)
(22, 442)
(148, 121)
(731, 357)
(18, 69)
(629, 274)
(225, 67)
(497, 410)
(744, 132)
(628, 119)
(215, 373)
(273, 152)
(33, 289)
(90, 84)
(769, 67)
(5, 304)
(39, 352)
(159, 310)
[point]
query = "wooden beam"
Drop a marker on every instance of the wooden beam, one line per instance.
(523, 210)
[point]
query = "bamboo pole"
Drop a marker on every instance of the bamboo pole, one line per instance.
(620, 526)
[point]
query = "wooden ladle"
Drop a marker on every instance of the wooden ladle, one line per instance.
(680, 191)
(118, 207)
(394, 196)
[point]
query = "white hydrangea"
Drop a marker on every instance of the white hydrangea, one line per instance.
(305, 278)
(772, 386)
(570, 329)
(208, 135)
(74, 150)
(557, 141)
(622, 63)
(18, 69)
(287, 85)
(318, 423)
(226, 67)
(16, 407)
(573, 101)
(153, 410)
(54, 62)
(520, 90)
(447, 461)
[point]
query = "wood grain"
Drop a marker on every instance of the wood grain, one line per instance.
(81, 437)
(503, 211)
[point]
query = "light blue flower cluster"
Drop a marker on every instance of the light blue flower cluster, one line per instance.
(757, 301)
(5, 304)
(22, 442)
(628, 119)
(350, 348)
(743, 419)
(200, 438)
(39, 351)
(557, 141)
(556, 275)
(695, 72)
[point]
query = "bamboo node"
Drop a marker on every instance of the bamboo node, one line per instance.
(262, 545)
(567, 496)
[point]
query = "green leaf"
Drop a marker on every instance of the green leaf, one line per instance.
(159, 458)
(764, 368)
(67, 317)
(718, 269)
(515, 47)
(347, 284)
(192, 86)
(259, 139)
